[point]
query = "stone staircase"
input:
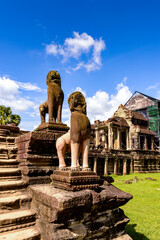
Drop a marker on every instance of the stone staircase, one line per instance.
(17, 220)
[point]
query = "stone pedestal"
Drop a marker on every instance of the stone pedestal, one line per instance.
(54, 127)
(86, 214)
(75, 180)
(37, 154)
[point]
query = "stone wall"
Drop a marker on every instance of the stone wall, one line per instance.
(79, 215)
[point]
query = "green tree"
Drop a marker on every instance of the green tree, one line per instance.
(6, 116)
(15, 119)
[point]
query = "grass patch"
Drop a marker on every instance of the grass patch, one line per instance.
(144, 209)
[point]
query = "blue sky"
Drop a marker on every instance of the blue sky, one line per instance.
(106, 48)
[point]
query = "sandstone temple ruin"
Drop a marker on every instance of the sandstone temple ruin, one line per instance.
(129, 141)
(31, 208)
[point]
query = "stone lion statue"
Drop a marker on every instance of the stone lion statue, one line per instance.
(53, 105)
(79, 135)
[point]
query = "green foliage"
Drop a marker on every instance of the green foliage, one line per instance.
(144, 209)
(6, 116)
(15, 119)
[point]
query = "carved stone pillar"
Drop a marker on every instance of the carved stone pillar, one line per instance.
(97, 137)
(110, 136)
(127, 139)
(152, 143)
(115, 166)
(131, 166)
(118, 138)
(145, 143)
(95, 165)
(124, 166)
(106, 140)
(106, 166)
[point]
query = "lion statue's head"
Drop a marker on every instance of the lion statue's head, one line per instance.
(77, 102)
(54, 77)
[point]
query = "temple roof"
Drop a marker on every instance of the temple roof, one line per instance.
(137, 115)
(131, 113)
(118, 121)
(149, 97)
(146, 131)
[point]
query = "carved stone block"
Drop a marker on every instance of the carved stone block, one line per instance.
(53, 127)
(86, 214)
(75, 180)
(37, 155)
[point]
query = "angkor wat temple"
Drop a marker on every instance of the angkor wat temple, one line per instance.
(125, 143)
(129, 141)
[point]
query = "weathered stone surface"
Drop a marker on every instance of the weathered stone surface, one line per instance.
(124, 237)
(9, 130)
(37, 155)
(53, 105)
(14, 202)
(30, 233)
(15, 215)
(75, 180)
(84, 214)
(54, 127)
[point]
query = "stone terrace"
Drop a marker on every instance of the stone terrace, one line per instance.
(17, 220)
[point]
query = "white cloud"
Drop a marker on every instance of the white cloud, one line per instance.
(28, 86)
(101, 106)
(11, 96)
(8, 88)
(20, 104)
(52, 49)
(153, 86)
(81, 90)
(125, 80)
(77, 47)
(79, 66)
(65, 113)
(29, 125)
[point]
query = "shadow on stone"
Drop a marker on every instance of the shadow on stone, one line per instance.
(130, 229)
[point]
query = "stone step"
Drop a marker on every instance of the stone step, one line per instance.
(17, 219)
(10, 148)
(3, 139)
(10, 142)
(12, 156)
(10, 178)
(3, 132)
(10, 145)
(8, 151)
(8, 156)
(14, 202)
(8, 163)
(12, 185)
(13, 192)
(6, 172)
(30, 233)
(3, 156)
(10, 139)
